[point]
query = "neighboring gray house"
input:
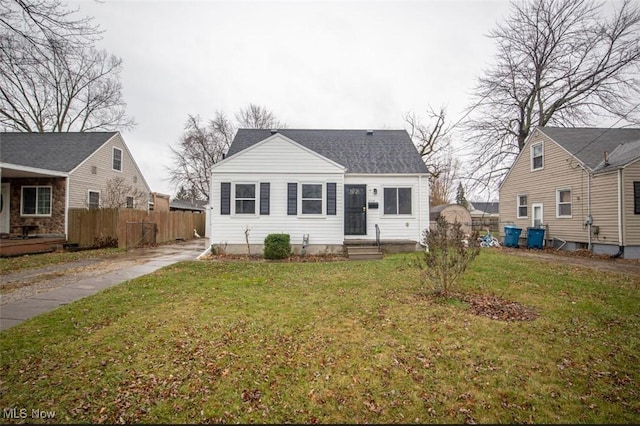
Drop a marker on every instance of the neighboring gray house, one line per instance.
(582, 185)
(45, 174)
(485, 216)
(332, 186)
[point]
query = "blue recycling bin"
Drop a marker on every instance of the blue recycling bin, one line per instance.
(511, 236)
(535, 238)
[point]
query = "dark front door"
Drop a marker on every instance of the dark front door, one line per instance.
(355, 210)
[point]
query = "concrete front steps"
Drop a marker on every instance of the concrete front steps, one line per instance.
(361, 252)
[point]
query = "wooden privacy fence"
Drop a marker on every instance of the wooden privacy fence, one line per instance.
(132, 227)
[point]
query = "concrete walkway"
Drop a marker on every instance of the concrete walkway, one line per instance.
(136, 263)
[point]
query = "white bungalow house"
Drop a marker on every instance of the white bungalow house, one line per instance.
(325, 188)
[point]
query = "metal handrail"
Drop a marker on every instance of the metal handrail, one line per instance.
(378, 238)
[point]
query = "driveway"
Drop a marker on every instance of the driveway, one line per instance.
(36, 291)
(582, 259)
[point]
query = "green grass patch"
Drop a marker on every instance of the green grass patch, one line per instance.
(32, 261)
(336, 342)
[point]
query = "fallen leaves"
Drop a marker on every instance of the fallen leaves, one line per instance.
(497, 308)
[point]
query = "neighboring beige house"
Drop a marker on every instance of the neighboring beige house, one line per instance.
(45, 174)
(582, 185)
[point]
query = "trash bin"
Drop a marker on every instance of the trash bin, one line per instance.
(535, 237)
(511, 236)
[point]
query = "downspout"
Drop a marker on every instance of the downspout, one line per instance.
(589, 218)
(66, 208)
(620, 233)
(420, 208)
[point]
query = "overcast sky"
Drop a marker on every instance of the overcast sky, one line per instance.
(315, 64)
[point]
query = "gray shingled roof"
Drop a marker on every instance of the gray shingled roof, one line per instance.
(491, 207)
(385, 151)
(188, 204)
(590, 144)
(60, 152)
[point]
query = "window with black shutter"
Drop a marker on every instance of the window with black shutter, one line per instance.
(331, 198)
(265, 188)
(292, 199)
(225, 198)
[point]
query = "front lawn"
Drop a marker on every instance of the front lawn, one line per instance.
(335, 342)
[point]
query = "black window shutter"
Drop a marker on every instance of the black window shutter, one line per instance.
(264, 198)
(225, 198)
(331, 198)
(636, 197)
(292, 199)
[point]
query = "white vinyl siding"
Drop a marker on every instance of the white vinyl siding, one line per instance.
(398, 227)
(631, 176)
(280, 163)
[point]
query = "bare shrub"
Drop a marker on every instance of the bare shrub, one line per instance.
(449, 252)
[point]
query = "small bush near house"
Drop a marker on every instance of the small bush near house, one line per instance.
(449, 252)
(277, 246)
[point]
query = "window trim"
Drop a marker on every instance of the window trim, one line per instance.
(558, 203)
(256, 198)
(397, 214)
(36, 214)
(89, 199)
(518, 206)
(322, 199)
(531, 149)
(113, 159)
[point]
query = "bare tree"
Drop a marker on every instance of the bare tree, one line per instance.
(52, 79)
(120, 194)
(44, 24)
(200, 147)
(433, 142)
(559, 62)
(442, 187)
(257, 117)
(430, 138)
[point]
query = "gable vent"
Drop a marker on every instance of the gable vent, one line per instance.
(369, 132)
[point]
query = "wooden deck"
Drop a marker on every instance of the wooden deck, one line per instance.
(32, 245)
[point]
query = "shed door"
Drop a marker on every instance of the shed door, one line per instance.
(355, 210)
